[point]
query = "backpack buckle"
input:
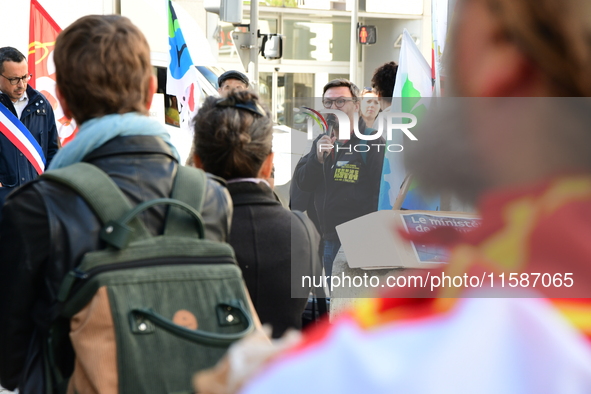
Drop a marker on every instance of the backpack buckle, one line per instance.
(140, 325)
(116, 234)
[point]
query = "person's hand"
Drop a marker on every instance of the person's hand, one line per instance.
(1, 184)
(243, 361)
(325, 146)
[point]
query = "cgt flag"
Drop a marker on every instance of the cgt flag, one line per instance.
(181, 78)
(42, 34)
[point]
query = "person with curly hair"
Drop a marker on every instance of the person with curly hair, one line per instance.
(232, 140)
(383, 81)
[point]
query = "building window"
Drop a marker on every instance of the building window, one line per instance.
(318, 41)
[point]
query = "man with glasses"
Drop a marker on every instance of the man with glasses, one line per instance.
(343, 175)
(34, 120)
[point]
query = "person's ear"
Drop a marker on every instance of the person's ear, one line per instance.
(152, 89)
(197, 161)
(63, 103)
(267, 167)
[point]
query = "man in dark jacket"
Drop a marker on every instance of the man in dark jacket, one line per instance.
(344, 175)
(47, 228)
(33, 110)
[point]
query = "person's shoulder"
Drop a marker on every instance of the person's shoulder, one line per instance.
(41, 188)
(216, 190)
(216, 182)
(28, 196)
(276, 213)
(303, 226)
(35, 96)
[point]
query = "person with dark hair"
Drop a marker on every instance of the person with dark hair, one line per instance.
(33, 111)
(383, 81)
(105, 82)
(232, 80)
(227, 82)
(233, 137)
(343, 175)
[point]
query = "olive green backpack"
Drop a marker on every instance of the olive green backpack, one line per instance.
(146, 312)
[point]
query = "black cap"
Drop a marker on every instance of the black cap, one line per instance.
(232, 74)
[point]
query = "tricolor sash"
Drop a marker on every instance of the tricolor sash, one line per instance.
(17, 133)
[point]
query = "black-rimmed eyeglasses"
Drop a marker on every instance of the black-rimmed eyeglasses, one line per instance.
(340, 102)
(15, 81)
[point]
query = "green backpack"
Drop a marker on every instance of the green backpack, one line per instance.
(146, 313)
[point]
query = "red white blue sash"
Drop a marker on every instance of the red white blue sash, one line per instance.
(17, 133)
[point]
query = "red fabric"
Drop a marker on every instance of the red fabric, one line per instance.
(43, 32)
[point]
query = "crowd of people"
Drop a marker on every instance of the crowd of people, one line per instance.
(529, 179)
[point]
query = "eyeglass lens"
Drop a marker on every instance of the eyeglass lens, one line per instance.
(15, 81)
(340, 102)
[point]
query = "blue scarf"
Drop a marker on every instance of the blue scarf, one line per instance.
(96, 132)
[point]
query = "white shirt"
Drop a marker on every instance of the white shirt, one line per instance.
(21, 104)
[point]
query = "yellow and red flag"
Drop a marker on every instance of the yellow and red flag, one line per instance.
(43, 31)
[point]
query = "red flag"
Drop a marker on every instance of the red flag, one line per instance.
(43, 32)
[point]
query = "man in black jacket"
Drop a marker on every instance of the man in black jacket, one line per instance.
(105, 81)
(35, 113)
(344, 175)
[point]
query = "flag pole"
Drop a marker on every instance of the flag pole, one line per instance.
(254, 43)
(353, 46)
(435, 43)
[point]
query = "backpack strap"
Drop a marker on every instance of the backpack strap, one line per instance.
(100, 192)
(189, 187)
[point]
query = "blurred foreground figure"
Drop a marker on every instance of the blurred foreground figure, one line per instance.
(524, 159)
(105, 82)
